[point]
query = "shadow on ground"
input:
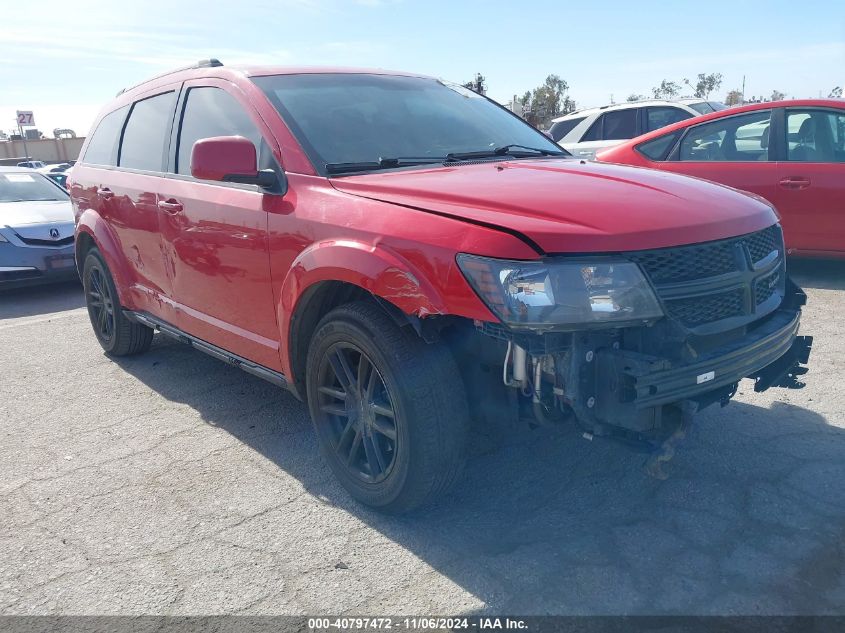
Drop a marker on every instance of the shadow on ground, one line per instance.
(46, 299)
(750, 521)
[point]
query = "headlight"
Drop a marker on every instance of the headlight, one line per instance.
(563, 294)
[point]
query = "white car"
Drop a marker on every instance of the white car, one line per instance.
(586, 132)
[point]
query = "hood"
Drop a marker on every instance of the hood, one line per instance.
(35, 219)
(568, 205)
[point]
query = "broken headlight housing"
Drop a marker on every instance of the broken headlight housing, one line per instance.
(562, 294)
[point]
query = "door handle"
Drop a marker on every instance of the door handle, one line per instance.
(794, 182)
(105, 193)
(170, 206)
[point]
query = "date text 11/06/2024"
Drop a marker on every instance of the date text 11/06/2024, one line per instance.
(416, 623)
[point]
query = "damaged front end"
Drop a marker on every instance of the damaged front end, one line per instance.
(632, 346)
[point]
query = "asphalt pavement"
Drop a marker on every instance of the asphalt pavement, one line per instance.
(171, 483)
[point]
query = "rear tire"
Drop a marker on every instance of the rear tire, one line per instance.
(117, 335)
(389, 410)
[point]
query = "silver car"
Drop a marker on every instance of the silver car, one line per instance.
(36, 229)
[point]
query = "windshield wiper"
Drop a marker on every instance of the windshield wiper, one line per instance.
(504, 150)
(382, 163)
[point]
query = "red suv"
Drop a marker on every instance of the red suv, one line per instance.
(406, 255)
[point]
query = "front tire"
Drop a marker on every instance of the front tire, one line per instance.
(389, 410)
(117, 335)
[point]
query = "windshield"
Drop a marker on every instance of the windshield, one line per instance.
(20, 187)
(357, 118)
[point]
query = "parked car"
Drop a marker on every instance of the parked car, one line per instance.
(585, 132)
(36, 229)
(59, 177)
(792, 153)
(32, 164)
(55, 167)
(403, 254)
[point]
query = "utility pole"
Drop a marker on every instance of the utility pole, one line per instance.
(23, 137)
(742, 99)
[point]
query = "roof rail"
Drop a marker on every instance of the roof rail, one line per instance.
(211, 62)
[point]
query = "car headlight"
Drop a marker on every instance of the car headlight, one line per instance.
(562, 294)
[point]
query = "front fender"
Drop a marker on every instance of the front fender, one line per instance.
(91, 224)
(374, 268)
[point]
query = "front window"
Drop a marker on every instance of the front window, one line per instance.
(21, 187)
(342, 119)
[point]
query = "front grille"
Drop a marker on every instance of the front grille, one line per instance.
(54, 243)
(727, 278)
(697, 310)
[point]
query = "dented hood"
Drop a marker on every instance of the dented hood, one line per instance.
(568, 205)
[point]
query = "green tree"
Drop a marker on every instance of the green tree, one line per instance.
(550, 100)
(635, 97)
(734, 97)
(666, 90)
(777, 95)
(836, 93)
(705, 84)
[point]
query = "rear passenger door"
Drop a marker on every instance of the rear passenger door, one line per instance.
(811, 179)
(215, 241)
(120, 173)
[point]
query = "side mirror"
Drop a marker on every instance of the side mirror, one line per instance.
(229, 159)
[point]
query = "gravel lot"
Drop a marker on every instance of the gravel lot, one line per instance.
(173, 484)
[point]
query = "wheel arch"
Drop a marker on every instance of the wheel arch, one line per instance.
(331, 274)
(92, 231)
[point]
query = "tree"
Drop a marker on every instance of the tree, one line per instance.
(777, 95)
(479, 84)
(634, 97)
(836, 93)
(666, 90)
(550, 100)
(705, 84)
(734, 97)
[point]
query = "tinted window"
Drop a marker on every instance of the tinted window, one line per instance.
(211, 112)
(657, 118)
(594, 133)
(341, 118)
(102, 148)
(562, 128)
(658, 148)
(620, 125)
(146, 132)
(736, 138)
(816, 136)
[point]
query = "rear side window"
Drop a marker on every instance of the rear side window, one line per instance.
(145, 133)
(741, 138)
(211, 112)
(562, 128)
(102, 148)
(658, 148)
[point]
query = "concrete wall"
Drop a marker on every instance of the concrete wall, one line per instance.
(50, 150)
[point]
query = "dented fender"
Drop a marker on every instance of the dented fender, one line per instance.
(90, 223)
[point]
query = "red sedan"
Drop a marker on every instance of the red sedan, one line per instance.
(790, 152)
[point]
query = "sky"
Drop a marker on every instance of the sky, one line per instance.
(65, 60)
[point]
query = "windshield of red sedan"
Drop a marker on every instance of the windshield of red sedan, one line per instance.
(22, 187)
(348, 118)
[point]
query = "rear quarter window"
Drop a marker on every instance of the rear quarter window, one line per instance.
(657, 149)
(102, 148)
(562, 128)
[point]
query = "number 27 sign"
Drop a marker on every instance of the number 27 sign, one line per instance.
(25, 118)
